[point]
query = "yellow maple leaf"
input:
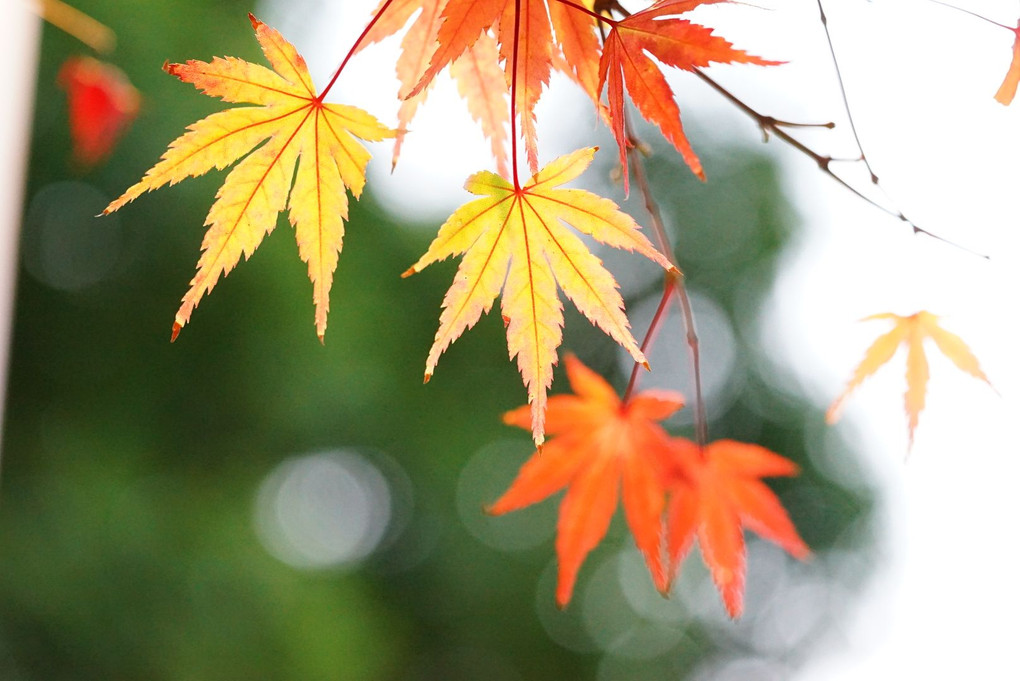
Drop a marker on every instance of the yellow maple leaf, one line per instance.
(514, 240)
(298, 130)
(910, 331)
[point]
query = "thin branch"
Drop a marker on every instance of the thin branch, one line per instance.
(354, 48)
(650, 335)
(585, 10)
(769, 125)
(842, 92)
(675, 282)
(973, 14)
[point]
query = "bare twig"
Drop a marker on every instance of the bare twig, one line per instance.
(770, 126)
(842, 92)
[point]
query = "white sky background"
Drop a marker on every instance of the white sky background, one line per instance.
(920, 79)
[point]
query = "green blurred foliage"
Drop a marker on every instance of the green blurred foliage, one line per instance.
(131, 466)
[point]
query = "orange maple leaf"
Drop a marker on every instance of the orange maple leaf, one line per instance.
(101, 102)
(295, 123)
(910, 331)
(674, 42)
(533, 38)
(476, 71)
(577, 35)
(714, 493)
(1007, 91)
(599, 444)
(514, 240)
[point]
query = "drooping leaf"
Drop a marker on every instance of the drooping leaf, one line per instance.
(714, 493)
(674, 42)
(533, 37)
(1007, 90)
(463, 22)
(599, 444)
(416, 48)
(525, 41)
(576, 34)
(299, 131)
(514, 240)
(102, 103)
(476, 71)
(480, 82)
(911, 331)
(393, 18)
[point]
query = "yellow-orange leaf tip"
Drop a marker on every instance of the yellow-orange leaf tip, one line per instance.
(1007, 91)
(296, 153)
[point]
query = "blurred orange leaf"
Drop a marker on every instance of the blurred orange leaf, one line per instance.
(599, 444)
(714, 493)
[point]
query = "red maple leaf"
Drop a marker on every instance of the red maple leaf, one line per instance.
(715, 492)
(599, 442)
(672, 41)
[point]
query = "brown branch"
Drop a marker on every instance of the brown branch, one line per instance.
(842, 92)
(769, 126)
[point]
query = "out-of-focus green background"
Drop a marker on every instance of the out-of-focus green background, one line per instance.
(249, 504)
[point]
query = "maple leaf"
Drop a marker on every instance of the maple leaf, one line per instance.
(577, 36)
(526, 45)
(1007, 91)
(513, 241)
(101, 102)
(674, 42)
(910, 331)
(600, 444)
(528, 48)
(298, 130)
(476, 71)
(714, 493)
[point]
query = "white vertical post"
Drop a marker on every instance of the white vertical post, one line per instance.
(19, 54)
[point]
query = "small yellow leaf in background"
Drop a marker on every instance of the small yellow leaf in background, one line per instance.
(910, 331)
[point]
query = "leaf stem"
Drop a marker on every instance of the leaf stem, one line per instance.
(585, 10)
(354, 48)
(674, 285)
(649, 339)
(513, 92)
